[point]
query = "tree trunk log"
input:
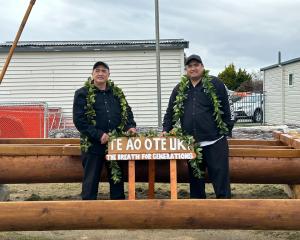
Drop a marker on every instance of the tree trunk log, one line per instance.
(151, 214)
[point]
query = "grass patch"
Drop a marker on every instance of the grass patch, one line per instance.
(20, 236)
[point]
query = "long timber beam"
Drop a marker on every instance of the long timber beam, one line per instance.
(55, 169)
(76, 141)
(151, 214)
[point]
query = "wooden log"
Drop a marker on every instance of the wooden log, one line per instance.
(74, 150)
(264, 170)
(250, 152)
(76, 141)
(30, 150)
(286, 139)
(53, 169)
(53, 144)
(261, 146)
(39, 141)
(293, 191)
(296, 144)
(292, 140)
(151, 214)
(276, 135)
(40, 169)
(254, 142)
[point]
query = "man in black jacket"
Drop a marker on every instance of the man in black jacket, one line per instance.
(199, 121)
(107, 118)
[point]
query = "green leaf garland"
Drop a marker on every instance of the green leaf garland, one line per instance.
(211, 92)
(90, 113)
(189, 140)
(178, 111)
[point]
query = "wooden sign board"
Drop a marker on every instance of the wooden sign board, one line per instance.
(148, 148)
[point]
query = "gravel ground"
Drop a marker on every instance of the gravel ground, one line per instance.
(241, 130)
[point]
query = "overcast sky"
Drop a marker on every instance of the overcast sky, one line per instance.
(246, 33)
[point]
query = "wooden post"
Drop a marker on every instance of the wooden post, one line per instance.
(293, 191)
(131, 180)
(173, 179)
(295, 188)
(12, 49)
(151, 180)
(296, 191)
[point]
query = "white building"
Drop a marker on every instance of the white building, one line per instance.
(52, 71)
(282, 91)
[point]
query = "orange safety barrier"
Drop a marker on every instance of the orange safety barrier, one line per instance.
(23, 121)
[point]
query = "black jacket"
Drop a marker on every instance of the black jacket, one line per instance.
(198, 119)
(108, 116)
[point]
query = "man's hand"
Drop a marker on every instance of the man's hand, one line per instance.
(104, 139)
(163, 134)
(131, 131)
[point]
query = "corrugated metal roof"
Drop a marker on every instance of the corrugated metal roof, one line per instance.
(93, 42)
(95, 45)
(281, 64)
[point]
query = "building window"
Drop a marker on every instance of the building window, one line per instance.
(291, 78)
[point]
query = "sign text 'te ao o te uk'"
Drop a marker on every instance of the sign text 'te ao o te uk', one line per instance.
(148, 148)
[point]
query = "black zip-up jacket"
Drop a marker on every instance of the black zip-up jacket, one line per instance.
(198, 119)
(108, 116)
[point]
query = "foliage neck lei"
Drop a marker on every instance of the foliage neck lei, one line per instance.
(178, 111)
(91, 115)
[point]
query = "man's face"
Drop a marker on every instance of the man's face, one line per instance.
(194, 70)
(100, 75)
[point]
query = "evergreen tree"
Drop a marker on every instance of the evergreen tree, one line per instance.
(228, 76)
(241, 77)
(232, 78)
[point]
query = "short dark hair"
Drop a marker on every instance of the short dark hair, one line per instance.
(100, 63)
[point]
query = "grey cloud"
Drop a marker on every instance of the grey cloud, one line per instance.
(247, 33)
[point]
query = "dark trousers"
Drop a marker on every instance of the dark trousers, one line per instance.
(92, 166)
(216, 161)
